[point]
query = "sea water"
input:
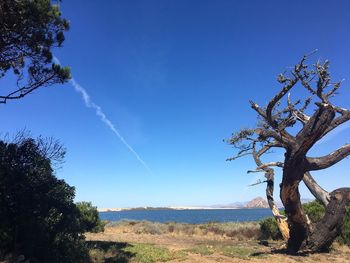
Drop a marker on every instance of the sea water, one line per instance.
(193, 216)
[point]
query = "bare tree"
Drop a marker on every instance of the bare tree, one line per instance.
(295, 127)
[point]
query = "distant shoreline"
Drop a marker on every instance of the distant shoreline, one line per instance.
(172, 208)
(257, 202)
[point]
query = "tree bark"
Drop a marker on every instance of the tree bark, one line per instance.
(329, 227)
(317, 191)
(297, 165)
(280, 219)
(293, 173)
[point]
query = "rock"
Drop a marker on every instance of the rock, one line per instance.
(258, 202)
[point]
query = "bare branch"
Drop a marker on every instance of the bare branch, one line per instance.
(316, 190)
(301, 116)
(276, 99)
(327, 161)
(257, 108)
(265, 165)
(20, 93)
(270, 134)
(345, 116)
(258, 182)
(255, 171)
(313, 130)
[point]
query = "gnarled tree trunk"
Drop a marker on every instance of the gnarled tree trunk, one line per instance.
(290, 196)
(272, 131)
(329, 227)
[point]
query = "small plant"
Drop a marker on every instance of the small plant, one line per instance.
(146, 253)
(203, 250)
(236, 252)
(269, 229)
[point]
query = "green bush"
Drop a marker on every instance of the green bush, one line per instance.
(269, 229)
(38, 216)
(315, 211)
(89, 218)
(344, 237)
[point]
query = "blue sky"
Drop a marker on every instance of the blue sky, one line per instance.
(175, 78)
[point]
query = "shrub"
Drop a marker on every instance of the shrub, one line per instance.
(344, 237)
(38, 216)
(315, 211)
(89, 218)
(269, 229)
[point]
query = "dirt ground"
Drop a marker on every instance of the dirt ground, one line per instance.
(189, 243)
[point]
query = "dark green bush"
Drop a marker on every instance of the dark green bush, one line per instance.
(344, 237)
(89, 218)
(269, 229)
(38, 217)
(315, 211)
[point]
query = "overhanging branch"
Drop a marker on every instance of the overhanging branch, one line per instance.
(327, 161)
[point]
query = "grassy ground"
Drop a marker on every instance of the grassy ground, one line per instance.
(148, 242)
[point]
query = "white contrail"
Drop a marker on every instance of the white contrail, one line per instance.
(90, 104)
(99, 112)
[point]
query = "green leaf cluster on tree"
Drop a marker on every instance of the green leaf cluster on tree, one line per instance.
(38, 216)
(29, 30)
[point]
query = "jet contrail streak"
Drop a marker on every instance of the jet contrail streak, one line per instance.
(99, 112)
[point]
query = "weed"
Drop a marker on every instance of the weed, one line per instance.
(203, 250)
(146, 253)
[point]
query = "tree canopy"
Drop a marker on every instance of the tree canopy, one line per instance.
(29, 30)
(38, 216)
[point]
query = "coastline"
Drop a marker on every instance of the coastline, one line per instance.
(171, 208)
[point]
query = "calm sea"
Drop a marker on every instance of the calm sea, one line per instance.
(189, 216)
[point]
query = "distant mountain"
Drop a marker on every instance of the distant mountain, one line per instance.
(257, 202)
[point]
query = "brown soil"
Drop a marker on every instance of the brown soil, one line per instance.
(177, 242)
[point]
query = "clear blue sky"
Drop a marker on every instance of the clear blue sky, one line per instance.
(175, 77)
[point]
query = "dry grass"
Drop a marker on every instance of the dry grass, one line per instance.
(186, 243)
(239, 231)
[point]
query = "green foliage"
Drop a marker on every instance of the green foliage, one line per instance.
(147, 253)
(203, 250)
(29, 30)
(314, 210)
(269, 229)
(344, 237)
(38, 216)
(241, 251)
(89, 218)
